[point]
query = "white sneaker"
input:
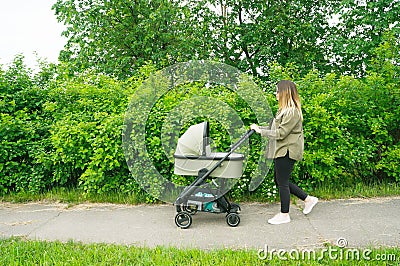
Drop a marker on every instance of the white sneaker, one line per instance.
(280, 218)
(309, 204)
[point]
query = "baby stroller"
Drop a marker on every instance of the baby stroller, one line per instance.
(193, 157)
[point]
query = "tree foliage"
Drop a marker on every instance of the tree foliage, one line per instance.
(253, 34)
(360, 30)
(117, 37)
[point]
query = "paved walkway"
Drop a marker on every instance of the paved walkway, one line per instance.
(359, 222)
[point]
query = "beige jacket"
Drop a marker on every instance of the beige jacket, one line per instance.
(286, 134)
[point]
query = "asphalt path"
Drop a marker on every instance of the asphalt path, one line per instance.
(360, 223)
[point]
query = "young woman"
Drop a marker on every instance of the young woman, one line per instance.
(287, 131)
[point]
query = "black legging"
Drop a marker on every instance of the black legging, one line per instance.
(283, 167)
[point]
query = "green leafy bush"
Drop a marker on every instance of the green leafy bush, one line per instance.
(86, 135)
(64, 130)
(23, 131)
(350, 128)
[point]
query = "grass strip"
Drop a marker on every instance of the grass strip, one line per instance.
(18, 251)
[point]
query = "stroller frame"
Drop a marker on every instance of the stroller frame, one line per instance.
(194, 197)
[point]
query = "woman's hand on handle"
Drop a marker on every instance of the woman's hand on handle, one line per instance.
(256, 128)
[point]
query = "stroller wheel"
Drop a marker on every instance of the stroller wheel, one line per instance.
(183, 220)
(233, 219)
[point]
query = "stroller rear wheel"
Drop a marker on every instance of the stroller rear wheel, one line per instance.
(233, 219)
(183, 220)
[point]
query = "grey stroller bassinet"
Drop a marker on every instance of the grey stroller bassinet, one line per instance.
(193, 157)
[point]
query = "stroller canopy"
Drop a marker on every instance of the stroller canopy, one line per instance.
(195, 141)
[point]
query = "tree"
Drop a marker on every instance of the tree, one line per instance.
(251, 34)
(116, 37)
(360, 29)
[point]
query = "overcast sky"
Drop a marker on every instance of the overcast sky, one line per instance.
(29, 26)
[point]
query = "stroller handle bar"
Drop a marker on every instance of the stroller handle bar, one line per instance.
(241, 140)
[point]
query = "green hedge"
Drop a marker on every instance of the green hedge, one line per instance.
(62, 130)
(351, 127)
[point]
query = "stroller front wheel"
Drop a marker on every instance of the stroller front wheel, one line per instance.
(183, 220)
(233, 219)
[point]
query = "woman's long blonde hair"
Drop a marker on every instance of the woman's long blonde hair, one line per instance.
(289, 99)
